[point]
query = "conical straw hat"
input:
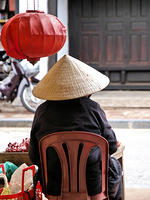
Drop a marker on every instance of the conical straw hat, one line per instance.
(70, 78)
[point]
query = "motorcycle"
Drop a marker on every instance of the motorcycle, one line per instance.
(19, 82)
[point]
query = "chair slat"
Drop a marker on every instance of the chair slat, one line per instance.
(82, 166)
(64, 165)
(73, 147)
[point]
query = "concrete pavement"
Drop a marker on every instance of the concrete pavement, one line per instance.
(137, 194)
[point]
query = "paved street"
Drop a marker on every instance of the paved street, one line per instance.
(136, 156)
(136, 162)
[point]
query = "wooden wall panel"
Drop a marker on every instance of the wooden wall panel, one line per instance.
(113, 36)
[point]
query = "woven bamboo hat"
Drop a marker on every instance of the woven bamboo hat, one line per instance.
(70, 78)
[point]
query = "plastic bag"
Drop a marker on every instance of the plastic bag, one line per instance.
(16, 180)
(9, 169)
(6, 190)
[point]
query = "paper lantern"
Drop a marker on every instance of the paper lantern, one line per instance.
(32, 35)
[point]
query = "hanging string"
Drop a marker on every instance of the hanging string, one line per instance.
(37, 4)
(34, 6)
(27, 5)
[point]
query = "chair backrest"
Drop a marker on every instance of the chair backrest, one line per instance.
(74, 172)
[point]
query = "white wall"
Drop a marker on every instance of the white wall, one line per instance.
(43, 7)
(23, 5)
(62, 14)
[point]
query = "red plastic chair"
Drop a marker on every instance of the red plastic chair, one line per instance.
(72, 139)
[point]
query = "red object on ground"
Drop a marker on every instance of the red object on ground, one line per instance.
(32, 35)
(19, 147)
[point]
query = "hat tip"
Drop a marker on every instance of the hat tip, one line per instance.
(66, 56)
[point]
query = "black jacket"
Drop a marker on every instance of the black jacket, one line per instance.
(80, 114)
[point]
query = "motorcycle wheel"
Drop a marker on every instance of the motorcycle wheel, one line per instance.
(28, 100)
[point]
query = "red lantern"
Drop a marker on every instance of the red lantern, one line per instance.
(32, 35)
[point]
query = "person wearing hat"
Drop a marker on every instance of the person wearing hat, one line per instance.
(66, 88)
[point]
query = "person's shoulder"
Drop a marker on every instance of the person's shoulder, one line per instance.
(94, 106)
(42, 106)
(89, 102)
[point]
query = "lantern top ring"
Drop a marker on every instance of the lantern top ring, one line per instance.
(34, 11)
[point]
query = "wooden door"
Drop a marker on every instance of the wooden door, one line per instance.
(113, 36)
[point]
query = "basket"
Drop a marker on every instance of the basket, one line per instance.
(23, 195)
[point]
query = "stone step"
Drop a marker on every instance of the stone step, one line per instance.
(123, 99)
(109, 100)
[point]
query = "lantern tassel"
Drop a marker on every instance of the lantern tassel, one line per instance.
(33, 60)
